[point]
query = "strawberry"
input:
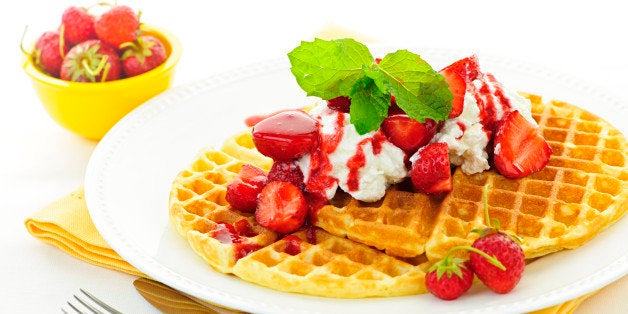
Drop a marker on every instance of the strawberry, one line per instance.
(467, 68)
(502, 277)
(118, 25)
(340, 103)
(287, 171)
(458, 88)
(287, 135)
(508, 252)
(407, 133)
(91, 61)
(430, 171)
(518, 148)
(143, 55)
(78, 25)
(457, 279)
(49, 52)
(281, 207)
(242, 192)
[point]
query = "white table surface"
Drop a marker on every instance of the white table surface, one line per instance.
(40, 161)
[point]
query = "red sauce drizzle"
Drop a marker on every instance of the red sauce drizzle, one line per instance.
(238, 236)
(358, 161)
(462, 127)
(488, 101)
(293, 245)
(320, 166)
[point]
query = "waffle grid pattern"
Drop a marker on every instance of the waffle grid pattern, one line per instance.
(582, 190)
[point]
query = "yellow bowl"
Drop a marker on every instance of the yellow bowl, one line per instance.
(91, 109)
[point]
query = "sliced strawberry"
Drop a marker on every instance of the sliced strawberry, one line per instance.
(242, 192)
(287, 135)
(518, 148)
(430, 171)
(287, 171)
(340, 103)
(407, 133)
(281, 207)
(458, 88)
(468, 68)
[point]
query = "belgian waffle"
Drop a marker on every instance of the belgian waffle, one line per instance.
(582, 190)
(383, 248)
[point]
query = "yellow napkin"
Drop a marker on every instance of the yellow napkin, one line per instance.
(66, 222)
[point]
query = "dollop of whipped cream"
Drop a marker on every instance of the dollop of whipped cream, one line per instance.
(362, 165)
(486, 102)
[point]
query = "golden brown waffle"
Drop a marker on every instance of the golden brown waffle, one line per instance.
(583, 189)
(197, 202)
(331, 266)
(383, 248)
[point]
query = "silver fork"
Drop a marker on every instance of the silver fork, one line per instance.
(104, 308)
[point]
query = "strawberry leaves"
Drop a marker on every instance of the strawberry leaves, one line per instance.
(345, 67)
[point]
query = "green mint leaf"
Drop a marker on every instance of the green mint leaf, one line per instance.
(369, 106)
(329, 69)
(419, 90)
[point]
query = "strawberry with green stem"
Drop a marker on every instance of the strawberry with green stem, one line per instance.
(450, 277)
(502, 246)
(91, 61)
(142, 55)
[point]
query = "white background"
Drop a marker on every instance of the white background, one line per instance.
(40, 161)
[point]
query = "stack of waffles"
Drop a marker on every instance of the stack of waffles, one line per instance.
(353, 249)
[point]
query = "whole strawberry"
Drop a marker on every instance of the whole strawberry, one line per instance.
(78, 25)
(118, 25)
(500, 246)
(91, 61)
(143, 55)
(508, 252)
(449, 278)
(49, 52)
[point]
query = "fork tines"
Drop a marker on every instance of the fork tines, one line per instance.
(99, 307)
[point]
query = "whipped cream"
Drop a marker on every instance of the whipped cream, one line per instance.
(486, 102)
(362, 165)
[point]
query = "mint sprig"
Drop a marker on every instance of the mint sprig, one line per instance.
(345, 67)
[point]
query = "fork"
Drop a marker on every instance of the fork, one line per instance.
(90, 306)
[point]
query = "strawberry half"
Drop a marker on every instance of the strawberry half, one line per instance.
(458, 88)
(281, 207)
(518, 148)
(287, 171)
(407, 133)
(467, 68)
(287, 135)
(430, 171)
(242, 192)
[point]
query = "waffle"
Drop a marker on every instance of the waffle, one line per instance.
(582, 190)
(356, 249)
(331, 266)
(198, 205)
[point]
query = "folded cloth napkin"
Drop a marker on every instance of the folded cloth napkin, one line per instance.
(66, 222)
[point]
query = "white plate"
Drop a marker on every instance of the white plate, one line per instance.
(129, 175)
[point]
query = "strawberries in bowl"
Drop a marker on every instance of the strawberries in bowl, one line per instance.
(96, 89)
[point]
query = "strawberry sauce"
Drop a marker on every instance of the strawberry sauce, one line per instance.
(358, 161)
(238, 236)
(492, 102)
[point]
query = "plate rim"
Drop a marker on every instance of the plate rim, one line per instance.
(101, 157)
